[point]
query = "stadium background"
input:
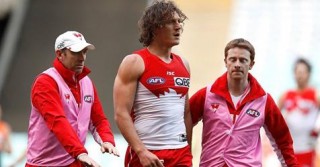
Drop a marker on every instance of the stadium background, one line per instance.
(280, 31)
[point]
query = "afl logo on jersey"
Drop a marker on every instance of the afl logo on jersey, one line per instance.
(88, 98)
(181, 81)
(156, 81)
(253, 113)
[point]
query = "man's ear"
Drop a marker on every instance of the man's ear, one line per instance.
(251, 65)
(59, 54)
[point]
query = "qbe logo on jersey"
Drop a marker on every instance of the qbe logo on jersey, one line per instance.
(181, 81)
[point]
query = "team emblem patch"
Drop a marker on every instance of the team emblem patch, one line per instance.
(214, 107)
(67, 96)
(78, 35)
(253, 113)
(88, 98)
(156, 80)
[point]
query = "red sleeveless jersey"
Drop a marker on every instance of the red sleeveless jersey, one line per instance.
(159, 105)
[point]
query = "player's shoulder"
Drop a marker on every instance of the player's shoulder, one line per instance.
(185, 62)
(132, 59)
(132, 64)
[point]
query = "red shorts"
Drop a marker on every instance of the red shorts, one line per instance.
(306, 159)
(181, 157)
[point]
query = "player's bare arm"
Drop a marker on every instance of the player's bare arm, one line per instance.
(187, 115)
(125, 86)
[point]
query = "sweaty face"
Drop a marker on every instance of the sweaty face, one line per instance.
(302, 75)
(238, 63)
(73, 60)
(169, 33)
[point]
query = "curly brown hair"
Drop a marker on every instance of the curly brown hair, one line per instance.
(240, 43)
(155, 16)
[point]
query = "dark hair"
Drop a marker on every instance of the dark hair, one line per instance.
(240, 43)
(155, 16)
(303, 61)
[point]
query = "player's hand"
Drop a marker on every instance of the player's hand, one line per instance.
(109, 148)
(87, 161)
(148, 159)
